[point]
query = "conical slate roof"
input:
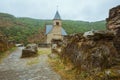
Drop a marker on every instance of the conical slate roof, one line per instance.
(57, 16)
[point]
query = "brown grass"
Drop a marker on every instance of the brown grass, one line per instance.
(44, 51)
(65, 71)
(6, 53)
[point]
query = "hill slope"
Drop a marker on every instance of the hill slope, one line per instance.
(21, 29)
(82, 26)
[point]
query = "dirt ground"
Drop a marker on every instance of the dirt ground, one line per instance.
(15, 68)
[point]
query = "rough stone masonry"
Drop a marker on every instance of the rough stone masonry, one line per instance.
(97, 54)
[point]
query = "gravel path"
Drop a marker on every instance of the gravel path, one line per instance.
(15, 68)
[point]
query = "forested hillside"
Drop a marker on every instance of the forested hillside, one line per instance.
(22, 29)
(82, 26)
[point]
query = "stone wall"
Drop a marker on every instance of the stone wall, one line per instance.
(113, 24)
(113, 21)
(96, 52)
(92, 53)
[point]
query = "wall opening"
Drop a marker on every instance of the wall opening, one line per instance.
(57, 23)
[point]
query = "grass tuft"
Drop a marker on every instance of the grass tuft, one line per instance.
(33, 61)
(65, 70)
(44, 51)
(6, 53)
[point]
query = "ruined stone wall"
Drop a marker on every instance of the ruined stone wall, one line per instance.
(113, 21)
(113, 24)
(92, 54)
(96, 53)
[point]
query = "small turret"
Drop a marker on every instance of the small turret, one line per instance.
(57, 16)
(57, 19)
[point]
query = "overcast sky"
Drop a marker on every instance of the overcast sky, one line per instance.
(86, 10)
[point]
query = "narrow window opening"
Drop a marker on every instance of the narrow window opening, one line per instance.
(57, 23)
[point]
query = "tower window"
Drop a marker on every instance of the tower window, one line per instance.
(57, 23)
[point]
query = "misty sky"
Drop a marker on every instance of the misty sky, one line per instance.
(86, 10)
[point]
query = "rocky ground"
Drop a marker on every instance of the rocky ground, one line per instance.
(15, 68)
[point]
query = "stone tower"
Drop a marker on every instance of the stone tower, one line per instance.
(57, 26)
(57, 20)
(55, 31)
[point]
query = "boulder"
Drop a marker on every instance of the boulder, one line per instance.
(29, 51)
